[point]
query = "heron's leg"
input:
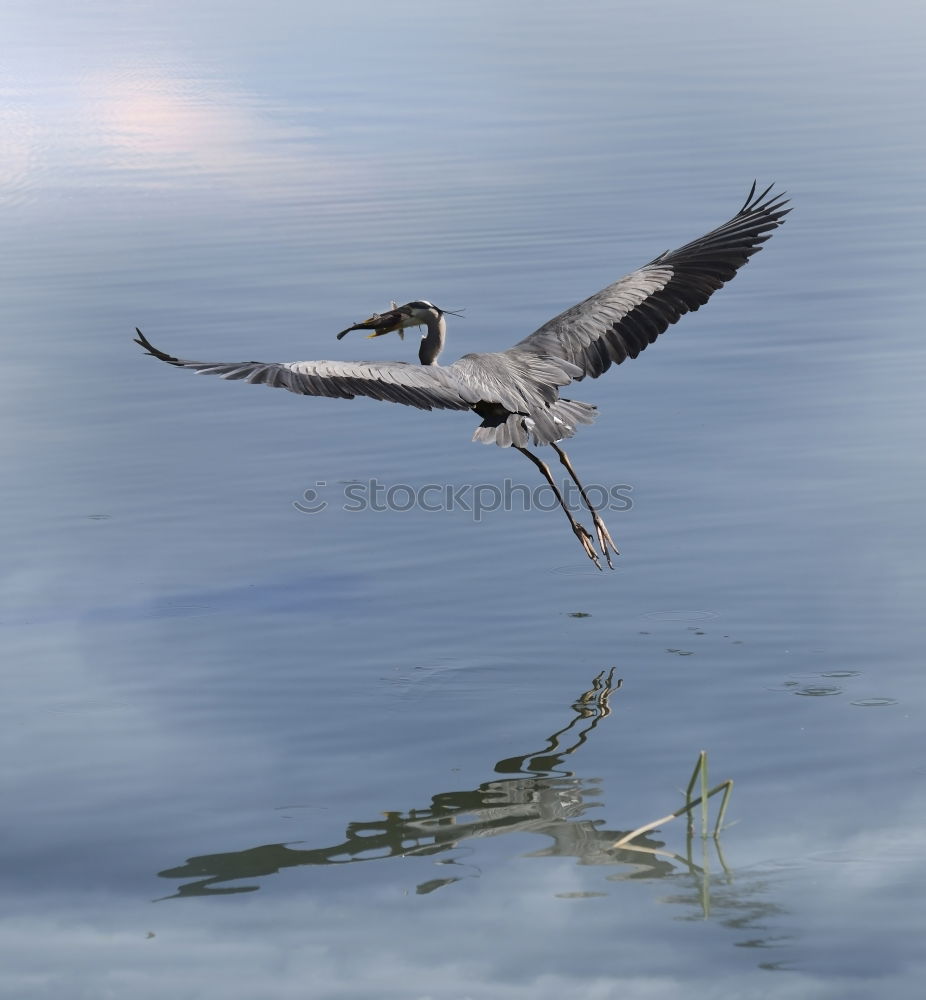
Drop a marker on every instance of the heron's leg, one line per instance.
(584, 537)
(604, 536)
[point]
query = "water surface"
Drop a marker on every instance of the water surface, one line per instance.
(252, 751)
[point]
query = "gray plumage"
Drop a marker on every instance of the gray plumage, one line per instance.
(517, 391)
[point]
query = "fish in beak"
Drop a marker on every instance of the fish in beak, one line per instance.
(395, 320)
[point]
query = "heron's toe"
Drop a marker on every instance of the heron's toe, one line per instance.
(586, 539)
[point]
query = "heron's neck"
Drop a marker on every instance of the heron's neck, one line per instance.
(432, 343)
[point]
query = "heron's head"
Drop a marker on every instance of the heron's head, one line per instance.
(419, 312)
(398, 318)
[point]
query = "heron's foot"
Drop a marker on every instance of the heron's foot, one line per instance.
(586, 539)
(604, 539)
(594, 702)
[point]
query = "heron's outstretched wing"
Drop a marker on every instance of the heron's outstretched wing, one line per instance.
(427, 387)
(620, 320)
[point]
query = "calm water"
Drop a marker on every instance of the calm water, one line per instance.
(254, 752)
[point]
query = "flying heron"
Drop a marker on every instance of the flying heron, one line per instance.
(517, 392)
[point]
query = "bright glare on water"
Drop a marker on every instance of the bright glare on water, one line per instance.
(254, 751)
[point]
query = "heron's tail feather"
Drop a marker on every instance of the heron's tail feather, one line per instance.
(572, 412)
(544, 425)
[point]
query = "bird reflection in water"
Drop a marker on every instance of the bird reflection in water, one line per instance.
(536, 796)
